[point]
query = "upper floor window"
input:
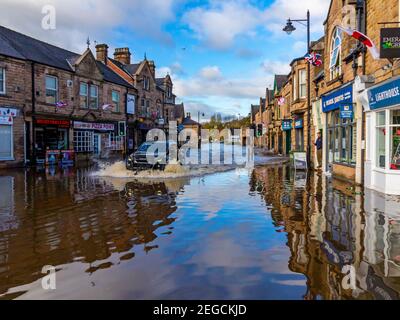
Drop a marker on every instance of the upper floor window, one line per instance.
(2, 81)
(169, 92)
(94, 97)
(335, 66)
(146, 83)
(115, 100)
(83, 93)
(295, 96)
(51, 90)
(303, 83)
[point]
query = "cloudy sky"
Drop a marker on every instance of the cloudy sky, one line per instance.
(222, 54)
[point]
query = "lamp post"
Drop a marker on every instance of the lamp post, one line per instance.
(289, 28)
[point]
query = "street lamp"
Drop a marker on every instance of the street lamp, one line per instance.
(199, 114)
(289, 28)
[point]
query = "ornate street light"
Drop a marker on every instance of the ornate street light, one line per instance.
(289, 28)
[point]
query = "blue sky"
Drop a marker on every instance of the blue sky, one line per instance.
(221, 54)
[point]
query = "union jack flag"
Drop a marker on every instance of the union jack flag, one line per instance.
(61, 104)
(314, 58)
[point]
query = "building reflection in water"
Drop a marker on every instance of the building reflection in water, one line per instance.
(59, 217)
(329, 226)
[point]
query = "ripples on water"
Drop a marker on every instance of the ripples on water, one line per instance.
(259, 234)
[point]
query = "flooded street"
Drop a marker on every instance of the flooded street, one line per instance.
(264, 233)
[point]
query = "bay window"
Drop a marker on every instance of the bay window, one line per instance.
(381, 139)
(2, 81)
(394, 139)
(294, 87)
(51, 90)
(303, 83)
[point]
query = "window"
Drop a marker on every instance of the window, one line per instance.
(148, 108)
(115, 143)
(294, 87)
(115, 100)
(51, 90)
(83, 141)
(83, 93)
(335, 66)
(342, 139)
(2, 81)
(94, 97)
(381, 139)
(6, 142)
(146, 83)
(302, 84)
(395, 140)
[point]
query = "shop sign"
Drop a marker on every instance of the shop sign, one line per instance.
(334, 100)
(287, 125)
(6, 120)
(298, 124)
(385, 95)
(94, 126)
(53, 122)
(4, 111)
(130, 104)
(346, 111)
(390, 43)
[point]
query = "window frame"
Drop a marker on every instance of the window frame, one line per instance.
(93, 86)
(52, 89)
(118, 102)
(295, 87)
(3, 88)
(11, 157)
(302, 84)
(335, 59)
(86, 96)
(85, 146)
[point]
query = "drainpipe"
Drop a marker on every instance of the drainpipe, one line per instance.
(33, 147)
(126, 124)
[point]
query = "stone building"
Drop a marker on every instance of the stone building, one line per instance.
(64, 104)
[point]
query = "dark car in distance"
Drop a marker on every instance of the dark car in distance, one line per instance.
(142, 158)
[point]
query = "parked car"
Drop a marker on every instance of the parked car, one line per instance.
(139, 160)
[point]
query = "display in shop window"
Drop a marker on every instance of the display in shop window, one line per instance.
(395, 163)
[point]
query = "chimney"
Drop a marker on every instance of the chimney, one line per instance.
(123, 55)
(152, 67)
(102, 53)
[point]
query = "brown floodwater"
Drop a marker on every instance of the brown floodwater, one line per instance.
(267, 233)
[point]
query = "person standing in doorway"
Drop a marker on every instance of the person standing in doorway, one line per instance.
(318, 145)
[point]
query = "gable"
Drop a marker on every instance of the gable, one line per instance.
(86, 65)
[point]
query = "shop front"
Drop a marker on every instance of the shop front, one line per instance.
(98, 140)
(287, 130)
(299, 132)
(52, 140)
(340, 133)
(383, 137)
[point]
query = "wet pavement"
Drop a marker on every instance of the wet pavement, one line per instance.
(265, 233)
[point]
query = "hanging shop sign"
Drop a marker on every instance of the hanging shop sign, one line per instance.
(6, 111)
(94, 126)
(385, 95)
(390, 43)
(333, 101)
(286, 125)
(130, 104)
(346, 111)
(299, 124)
(53, 122)
(6, 120)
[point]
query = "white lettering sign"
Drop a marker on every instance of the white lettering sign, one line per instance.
(94, 126)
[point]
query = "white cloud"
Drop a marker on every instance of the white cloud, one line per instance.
(275, 67)
(100, 19)
(211, 73)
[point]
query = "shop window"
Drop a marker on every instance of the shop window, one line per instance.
(94, 97)
(6, 142)
(342, 139)
(115, 100)
(395, 139)
(2, 81)
(381, 139)
(303, 84)
(335, 66)
(83, 93)
(115, 143)
(51, 90)
(83, 141)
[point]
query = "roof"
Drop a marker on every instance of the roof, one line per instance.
(189, 122)
(280, 80)
(160, 81)
(20, 46)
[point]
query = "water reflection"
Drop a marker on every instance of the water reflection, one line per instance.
(270, 233)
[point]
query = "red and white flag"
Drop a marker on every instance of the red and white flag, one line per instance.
(363, 39)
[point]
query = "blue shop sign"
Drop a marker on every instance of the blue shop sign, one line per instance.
(385, 95)
(287, 125)
(346, 111)
(298, 124)
(333, 101)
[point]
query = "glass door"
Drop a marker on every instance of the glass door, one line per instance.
(97, 144)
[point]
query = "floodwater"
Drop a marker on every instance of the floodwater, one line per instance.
(264, 233)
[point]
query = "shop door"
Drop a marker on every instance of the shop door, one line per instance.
(280, 143)
(288, 141)
(97, 144)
